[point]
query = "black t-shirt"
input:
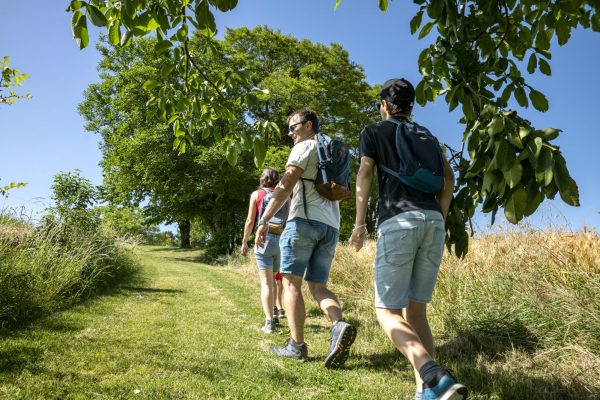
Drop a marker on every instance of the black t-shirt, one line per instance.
(379, 143)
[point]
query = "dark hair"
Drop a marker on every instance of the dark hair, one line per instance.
(395, 110)
(306, 114)
(269, 178)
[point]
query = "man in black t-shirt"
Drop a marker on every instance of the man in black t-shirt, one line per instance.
(410, 243)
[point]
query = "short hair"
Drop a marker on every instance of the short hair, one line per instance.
(269, 178)
(395, 110)
(306, 114)
(399, 95)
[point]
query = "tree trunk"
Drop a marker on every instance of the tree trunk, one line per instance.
(184, 234)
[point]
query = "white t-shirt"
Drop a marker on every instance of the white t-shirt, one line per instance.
(304, 155)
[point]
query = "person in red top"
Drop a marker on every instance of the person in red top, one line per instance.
(267, 256)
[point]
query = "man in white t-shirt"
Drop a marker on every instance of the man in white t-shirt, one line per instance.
(307, 244)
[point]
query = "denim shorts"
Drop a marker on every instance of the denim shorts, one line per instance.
(409, 252)
(268, 256)
(307, 249)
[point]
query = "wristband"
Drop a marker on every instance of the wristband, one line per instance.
(263, 222)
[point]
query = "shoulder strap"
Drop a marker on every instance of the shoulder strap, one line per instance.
(399, 125)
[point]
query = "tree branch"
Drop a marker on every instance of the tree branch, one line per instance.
(189, 57)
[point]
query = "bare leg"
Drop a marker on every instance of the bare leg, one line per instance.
(266, 291)
(327, 300)
(404, 337)
(416, 316)
(294, 305)
(278, 295)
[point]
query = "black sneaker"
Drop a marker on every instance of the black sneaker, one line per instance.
(275, 315)
(342, 337)
(281, 313)
(292, 350)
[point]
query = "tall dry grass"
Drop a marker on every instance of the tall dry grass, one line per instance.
(46, 268)
(521, 300)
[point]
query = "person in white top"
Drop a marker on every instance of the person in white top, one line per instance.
(307, 244)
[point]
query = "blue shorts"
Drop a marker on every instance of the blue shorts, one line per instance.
(268, 256)
(307, 249)
(409, 252)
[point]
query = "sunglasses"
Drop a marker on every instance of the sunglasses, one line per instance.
(292, 127)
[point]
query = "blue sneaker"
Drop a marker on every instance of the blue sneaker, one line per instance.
(342, 337)
(447, 388)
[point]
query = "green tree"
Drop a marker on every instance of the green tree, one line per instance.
(474, 63)
(71, 191)
(128, 222)
(142, 168)
(75, 198)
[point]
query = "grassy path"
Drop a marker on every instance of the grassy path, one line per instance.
(190, 331)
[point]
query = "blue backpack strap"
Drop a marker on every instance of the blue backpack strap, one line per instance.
(380, 165)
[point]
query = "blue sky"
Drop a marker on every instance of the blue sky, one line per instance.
(45, 135)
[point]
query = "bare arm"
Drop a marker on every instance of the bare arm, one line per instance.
(249, 225)
(445, 196)
(364, 181)
(283, 190)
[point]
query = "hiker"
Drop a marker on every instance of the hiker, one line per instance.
(267, 255)
(410, 231)
(307, 244)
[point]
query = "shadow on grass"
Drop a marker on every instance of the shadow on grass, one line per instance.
(151, 290)
(16, 355)
(489, 341)
(15, 359)
(165, 249)
(387, 361)
(493, 340)
(201, 259)
(510, 385)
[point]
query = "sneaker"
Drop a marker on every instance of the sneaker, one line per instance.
(342, 337)
(292, 350)
(281, 313)
(269, 326)
(275, 315)
(447, 388)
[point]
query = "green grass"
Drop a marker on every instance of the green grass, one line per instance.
(191, 331)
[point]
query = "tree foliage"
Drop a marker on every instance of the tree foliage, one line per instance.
(9, 79)
(139, 162)
(476, 62)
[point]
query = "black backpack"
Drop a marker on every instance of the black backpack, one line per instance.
(421, 164)
(333, 172)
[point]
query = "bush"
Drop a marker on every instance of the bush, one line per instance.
(48, 267)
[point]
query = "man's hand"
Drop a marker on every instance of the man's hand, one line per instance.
(261, 235)
(244, 250)
(358, 237)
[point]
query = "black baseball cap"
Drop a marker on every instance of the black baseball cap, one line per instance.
(398, 91)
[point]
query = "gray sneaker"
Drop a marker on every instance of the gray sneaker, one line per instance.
(342, 337)
(269, 326)
(292, 350)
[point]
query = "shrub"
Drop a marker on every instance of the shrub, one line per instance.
(48, 267)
